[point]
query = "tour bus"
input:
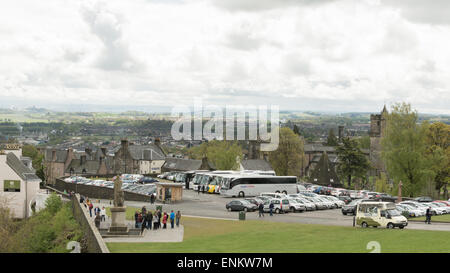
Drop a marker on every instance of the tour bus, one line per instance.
(254, 185)
(379, 214)
(216, 179)
(193, 184)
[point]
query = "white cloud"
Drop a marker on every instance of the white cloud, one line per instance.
(343, 55)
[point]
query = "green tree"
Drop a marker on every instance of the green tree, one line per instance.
(53, 203)
(37, 159)
(352, 161)
(222, 154)
(437, 139)
(332, 139)
(403, 149)
(287, 159)
(364, 142)
(296, 130)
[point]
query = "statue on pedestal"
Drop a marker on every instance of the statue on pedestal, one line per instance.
(118, 192)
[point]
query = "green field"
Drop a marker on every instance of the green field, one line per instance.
(438, 218)
(206, 235)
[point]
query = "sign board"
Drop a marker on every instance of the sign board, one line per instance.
(11, 185)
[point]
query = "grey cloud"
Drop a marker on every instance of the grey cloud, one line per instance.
(296, 65)
(107, 26)
(261, 5)
(422, 11)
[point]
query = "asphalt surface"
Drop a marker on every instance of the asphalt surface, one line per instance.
(213, 205)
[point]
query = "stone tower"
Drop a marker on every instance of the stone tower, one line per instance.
(376, 133)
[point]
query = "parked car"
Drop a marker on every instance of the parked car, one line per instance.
(254, 200)
(317, 202)
(240, 205)
(439, 210)
(424, 199)
(346, 199)
(280, 205)
(308, 204)
(337, 203)
(295, 206)
(387, 197)
(351, 207)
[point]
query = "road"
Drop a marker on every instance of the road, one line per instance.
(211, 205)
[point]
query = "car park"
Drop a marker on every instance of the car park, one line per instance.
(240, 205)
(254, 200)
(439, 210)
(337, 203)
(309, 206)
(280, 205)
(346, 199)
(417, 205)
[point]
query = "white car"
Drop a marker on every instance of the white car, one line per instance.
(339, 203)
(328, 203)
(308, 205)
(279, 205)
(442, 205)
(439, 210)
(296, 206)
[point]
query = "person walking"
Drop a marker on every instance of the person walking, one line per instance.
(198, 189)
(164, 221)
(144, 210)
(97, 220)
(144, 223)
(178, 217)
(152, 198)
(159, 218)
(90, 207)
(136, 216)
(139, 220)
(172, 219)
(261, 209)
(103, 214)
(428, 215)
(155, 221)
(149, 219)
(271, 206)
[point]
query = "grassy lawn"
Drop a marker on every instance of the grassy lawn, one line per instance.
(439, 218)
(207, 235)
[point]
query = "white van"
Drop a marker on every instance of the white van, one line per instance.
(280, 205)
(379, 214)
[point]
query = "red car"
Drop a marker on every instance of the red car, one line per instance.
(447, 203)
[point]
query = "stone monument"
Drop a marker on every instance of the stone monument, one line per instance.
(118, 212)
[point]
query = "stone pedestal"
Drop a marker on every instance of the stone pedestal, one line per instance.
(118, 224)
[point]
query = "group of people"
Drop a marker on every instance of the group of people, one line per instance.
(261, 209)
(202, 189)
(99, 213)
(144, 219)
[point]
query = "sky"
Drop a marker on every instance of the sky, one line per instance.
(303, 55)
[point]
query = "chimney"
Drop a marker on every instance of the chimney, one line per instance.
(124, 143)
(69, 153)
(54, 155)
(82, 159)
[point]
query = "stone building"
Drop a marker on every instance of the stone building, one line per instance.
(19, 184)
(324, 173)
(376, 133)
(139, 159)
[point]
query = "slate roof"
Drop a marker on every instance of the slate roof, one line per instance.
(146, 152)
(180, 164)
(318, 148)
(91, 166)
(256, 165)
(20, 169)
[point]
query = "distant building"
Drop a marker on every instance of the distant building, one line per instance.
(376, 133)
(255, 165)
(19, 184)
(139, 159)
(180, 164)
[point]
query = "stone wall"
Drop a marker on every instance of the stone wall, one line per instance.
(94, 241)
(97, 192)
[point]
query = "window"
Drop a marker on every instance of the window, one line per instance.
(11, 185)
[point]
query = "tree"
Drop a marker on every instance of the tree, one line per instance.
(352, 161)
(222, 154)
(332, 140)
(437, 140)
(287, 159)
(296, 130)
(403, 149)
(37, 158)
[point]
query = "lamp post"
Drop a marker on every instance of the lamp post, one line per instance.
(399, 199)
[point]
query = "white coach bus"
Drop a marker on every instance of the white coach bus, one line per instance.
(253, 185)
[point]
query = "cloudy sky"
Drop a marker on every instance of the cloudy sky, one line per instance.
(323, 55)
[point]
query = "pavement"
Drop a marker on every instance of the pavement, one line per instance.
(213, 206)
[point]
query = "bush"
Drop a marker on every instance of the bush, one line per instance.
(53, 203)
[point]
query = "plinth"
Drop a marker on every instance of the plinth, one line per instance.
(118, 225)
